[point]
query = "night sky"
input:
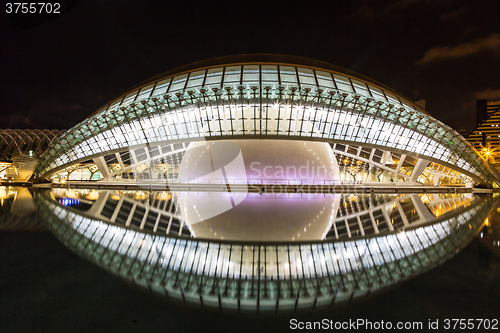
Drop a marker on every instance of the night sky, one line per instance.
(56, 73)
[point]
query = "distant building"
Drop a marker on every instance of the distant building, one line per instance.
(20, 150)
(463, 132)
(486, 137)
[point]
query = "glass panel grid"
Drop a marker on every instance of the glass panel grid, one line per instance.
(442, 144)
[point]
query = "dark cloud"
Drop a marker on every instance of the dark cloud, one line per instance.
(489, 94)
(454, 14)
(491, 43)
(401, 5)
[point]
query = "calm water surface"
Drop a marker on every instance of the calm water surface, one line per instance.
(47, 287)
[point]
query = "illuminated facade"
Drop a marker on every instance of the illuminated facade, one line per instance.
(376, 134)
(486, 137)
(264, 276)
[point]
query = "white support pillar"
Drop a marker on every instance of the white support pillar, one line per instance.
(423, 212)
(374, 223)
(400, 164)
(98, 205)
(169, 224)
(347, 228)
(130, 215)
(402, 213)
(419, 168)
(155, 228)
(436, 178)
(117, 210)
(360, 225)
(387, 218)
(120, 161)
(102, 166)
(143, 222)
(371, 155)
(386, 158)
(133, 158)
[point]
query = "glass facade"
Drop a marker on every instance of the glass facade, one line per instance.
(347, 215)
(269, 275)
(264, 100)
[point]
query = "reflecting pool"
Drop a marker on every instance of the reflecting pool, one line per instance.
(271, 252)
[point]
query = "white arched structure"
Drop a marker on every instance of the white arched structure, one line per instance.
(266, 98)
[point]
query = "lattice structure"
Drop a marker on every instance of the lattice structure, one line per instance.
(266, 100)
(20, 149)
(264, 276)
(25, 141)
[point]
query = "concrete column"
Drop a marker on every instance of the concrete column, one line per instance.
(360, 225)
(98, 205)
(402, 213)
(131, 214)
(371, 154)
(374, 223)
(102, 166)
(119, 159)
(419, 168)
(117, 210)
(400, 164)
(436, 178)
(423, 212)
(387, 218)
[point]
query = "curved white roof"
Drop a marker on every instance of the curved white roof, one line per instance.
(240, 100)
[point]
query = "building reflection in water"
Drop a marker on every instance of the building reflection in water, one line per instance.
(350, 246)
(17, 210)
(490, 234)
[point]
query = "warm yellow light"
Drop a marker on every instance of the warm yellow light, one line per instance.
(165, 196)
(3, 193)
(94, 195)
(114, 197)
(71, 194)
